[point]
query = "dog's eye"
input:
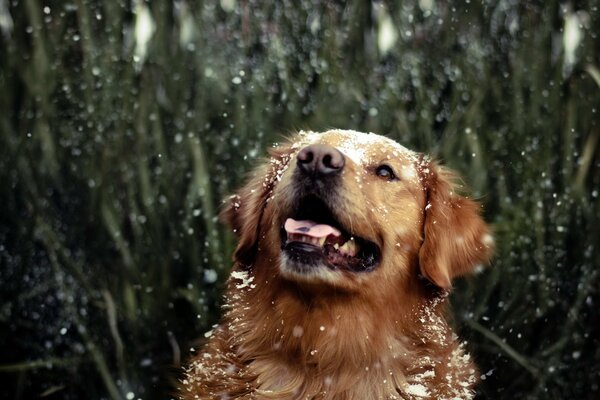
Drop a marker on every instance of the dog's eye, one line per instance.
(385, 171)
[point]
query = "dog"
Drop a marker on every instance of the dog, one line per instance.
(347, 246)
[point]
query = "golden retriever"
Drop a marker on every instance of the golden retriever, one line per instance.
(348, 243)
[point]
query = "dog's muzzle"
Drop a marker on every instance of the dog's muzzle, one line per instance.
(311, 233)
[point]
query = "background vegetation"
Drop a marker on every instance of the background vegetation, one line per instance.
(123, 124)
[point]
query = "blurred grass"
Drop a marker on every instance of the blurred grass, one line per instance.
(111, 171)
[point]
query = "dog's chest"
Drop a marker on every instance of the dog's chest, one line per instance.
(372, 383)
(451, 378)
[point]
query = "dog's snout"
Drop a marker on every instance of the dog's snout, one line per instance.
(320, 160)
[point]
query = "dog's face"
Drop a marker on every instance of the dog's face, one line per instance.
(351, 209)
(346, 210)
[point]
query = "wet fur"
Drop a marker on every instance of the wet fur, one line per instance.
(376, 335)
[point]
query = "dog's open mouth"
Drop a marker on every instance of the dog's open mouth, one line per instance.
(313, 237)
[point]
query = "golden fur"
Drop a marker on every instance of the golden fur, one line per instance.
(343, 335)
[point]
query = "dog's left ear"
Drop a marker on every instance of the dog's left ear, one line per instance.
(243, 211)
(456, 238)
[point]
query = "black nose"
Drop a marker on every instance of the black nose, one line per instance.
(320, 160)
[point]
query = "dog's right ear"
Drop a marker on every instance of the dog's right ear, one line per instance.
(244, 211)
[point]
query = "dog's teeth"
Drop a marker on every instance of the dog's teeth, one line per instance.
(349, 248)
(298, 237)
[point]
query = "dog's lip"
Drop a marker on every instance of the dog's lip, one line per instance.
(331, 245)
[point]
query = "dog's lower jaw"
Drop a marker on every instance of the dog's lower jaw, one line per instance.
(297, 271)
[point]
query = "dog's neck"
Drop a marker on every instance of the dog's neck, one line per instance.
(331, 331)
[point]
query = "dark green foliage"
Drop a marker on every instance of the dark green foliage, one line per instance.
(111, 171)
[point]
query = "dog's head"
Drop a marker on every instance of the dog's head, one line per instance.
(346, 209)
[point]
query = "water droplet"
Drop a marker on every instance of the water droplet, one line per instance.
(298, 331)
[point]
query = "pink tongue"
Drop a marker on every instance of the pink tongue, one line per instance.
(310, 228)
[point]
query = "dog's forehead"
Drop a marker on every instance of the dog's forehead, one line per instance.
(362, 148)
